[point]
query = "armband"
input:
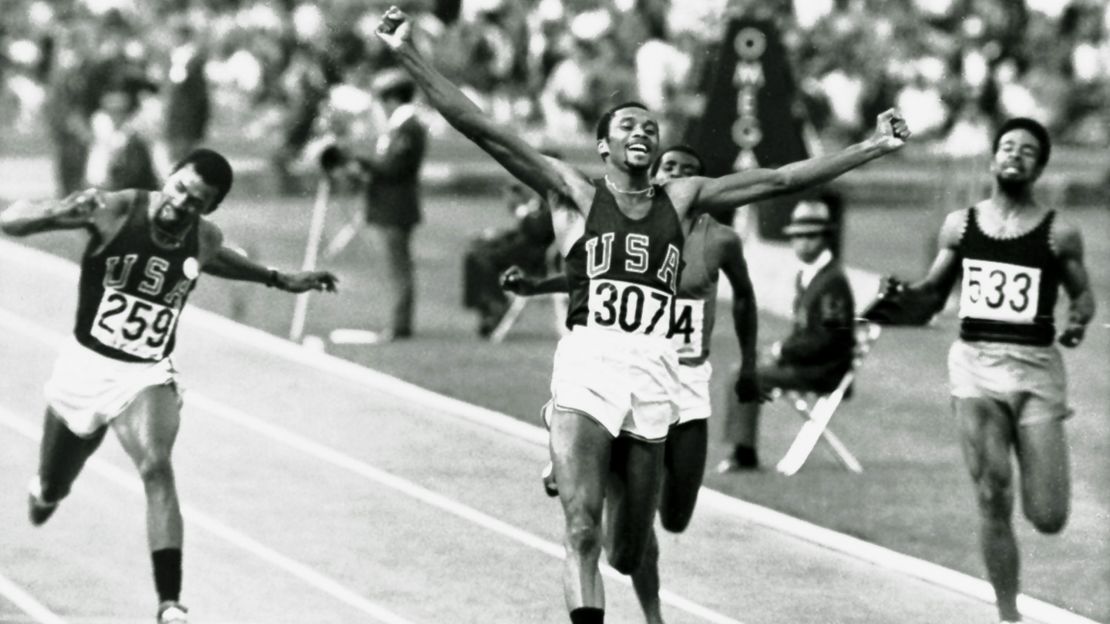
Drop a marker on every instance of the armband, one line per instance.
(272, 277)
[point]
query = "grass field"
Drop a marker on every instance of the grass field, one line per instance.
(913, 496)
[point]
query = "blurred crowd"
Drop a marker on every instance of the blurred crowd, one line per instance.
(287, 70)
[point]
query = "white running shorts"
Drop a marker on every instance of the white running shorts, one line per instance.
(87, 390)
(627, 383)
(693, 393)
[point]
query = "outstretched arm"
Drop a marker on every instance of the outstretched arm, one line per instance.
(547, 177)
(233, 265)
(1070, 245)
(516, 281)
(932, 291)
(76, 211)
(744, 187)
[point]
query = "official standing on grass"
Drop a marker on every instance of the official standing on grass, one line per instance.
(393, 193)
(1007, 378)
(614, 379)
(144, 253)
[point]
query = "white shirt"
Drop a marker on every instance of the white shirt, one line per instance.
(400, 115)
(810, 270)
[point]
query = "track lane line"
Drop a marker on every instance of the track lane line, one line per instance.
(236, 538)
(935, 574)
(344, 462)
(27, 603)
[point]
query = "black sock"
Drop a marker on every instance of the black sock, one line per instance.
(167, 573)
(746, 455)
(587, 615)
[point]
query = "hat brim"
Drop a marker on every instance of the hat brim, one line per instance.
(806, 228)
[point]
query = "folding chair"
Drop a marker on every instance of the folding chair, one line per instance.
(818, 410)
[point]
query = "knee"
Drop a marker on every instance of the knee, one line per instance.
(584, 535)
(1048, 521)
(995, 496)
(156, 470)
(625, 558)
(675, 515)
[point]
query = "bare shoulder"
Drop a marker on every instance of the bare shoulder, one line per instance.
(112, 210)
(116, 205)
(952, 229)
(683, 191)
(1067, 238)
(211, 239)
(722, 235)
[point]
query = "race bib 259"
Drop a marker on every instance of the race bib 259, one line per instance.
(132, 325)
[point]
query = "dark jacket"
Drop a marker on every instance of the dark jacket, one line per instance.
(393, 193)
(823, 332)
(187, 103)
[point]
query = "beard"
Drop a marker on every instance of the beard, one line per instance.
(1013, 188)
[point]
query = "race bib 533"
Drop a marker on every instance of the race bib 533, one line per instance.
(689, 324)
(999, 291)
(132, 325)
(630, 308)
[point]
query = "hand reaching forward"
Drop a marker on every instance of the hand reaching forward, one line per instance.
(891, 129)
(308, 280)
(1072, 335)
(748, 389)
(395, 29)
(516, 281)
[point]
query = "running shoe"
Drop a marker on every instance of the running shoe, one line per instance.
(38, 510)
(172, 612)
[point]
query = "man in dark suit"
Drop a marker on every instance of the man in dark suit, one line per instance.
(186, 91)
(818, 351)
(393, 192)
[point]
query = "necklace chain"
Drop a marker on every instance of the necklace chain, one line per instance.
(650, 191)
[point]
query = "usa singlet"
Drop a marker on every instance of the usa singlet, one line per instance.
(695, 309)
(623, 272)
(1009, 286)
(131, 293)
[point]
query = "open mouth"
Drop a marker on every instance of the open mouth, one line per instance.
(169, 227)
(638, 148)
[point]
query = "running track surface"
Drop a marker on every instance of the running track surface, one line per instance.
(316, 491)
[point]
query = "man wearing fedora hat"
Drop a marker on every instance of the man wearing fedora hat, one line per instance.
(393, 192)
(818, 351)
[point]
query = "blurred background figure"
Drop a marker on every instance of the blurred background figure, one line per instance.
(818, 351)
(524, 244)
(67, 58)
(392, 195)
(187, 107)
(120, 155)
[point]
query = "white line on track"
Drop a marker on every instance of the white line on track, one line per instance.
(222, 531)
(379, 382)
(27, 603)
(345, 462)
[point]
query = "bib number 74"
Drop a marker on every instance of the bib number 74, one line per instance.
(630, 308)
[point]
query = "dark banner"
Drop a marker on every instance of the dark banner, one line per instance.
(749, 118)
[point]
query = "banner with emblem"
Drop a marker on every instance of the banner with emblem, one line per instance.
(751, 91)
